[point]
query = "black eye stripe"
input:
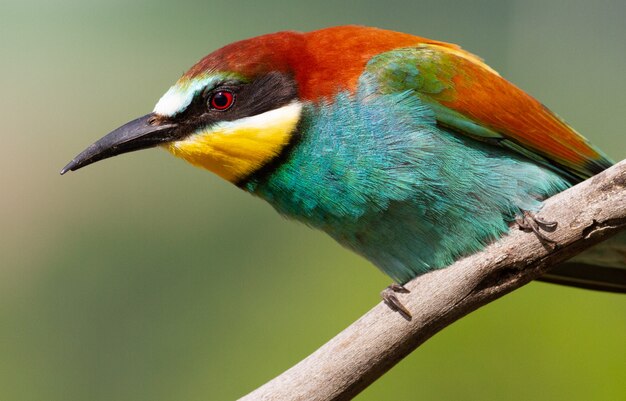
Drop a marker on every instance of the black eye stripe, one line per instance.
(233, 86)
(267, 92)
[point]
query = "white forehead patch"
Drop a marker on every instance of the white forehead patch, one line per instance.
(179, 96)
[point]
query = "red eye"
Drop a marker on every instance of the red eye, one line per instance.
(222, 100)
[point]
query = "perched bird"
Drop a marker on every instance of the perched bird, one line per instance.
(409, 151)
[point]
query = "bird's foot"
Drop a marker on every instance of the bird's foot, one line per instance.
(389, 297)
(529, 221)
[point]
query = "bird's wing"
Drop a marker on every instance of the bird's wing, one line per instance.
(468, 96)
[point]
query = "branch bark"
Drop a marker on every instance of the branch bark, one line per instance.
(587, 214)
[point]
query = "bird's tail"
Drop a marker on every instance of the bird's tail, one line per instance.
(602, 267)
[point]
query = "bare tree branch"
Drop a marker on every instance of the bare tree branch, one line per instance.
(587, 214)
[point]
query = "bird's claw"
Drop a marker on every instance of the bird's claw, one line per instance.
(531, 222)
(389, 297)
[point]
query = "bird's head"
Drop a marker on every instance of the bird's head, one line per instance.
(238, 108)
(231, 113)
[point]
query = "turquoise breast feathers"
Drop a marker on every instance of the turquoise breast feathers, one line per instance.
(379, 175)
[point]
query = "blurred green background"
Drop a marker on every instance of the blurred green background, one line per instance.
(141, 278)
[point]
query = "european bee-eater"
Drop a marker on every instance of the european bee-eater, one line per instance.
(409, 151)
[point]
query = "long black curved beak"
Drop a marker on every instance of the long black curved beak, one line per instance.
(142, 133)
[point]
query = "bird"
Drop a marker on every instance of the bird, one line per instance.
(409, 151)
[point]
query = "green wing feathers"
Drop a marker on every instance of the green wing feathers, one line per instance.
(471, 98)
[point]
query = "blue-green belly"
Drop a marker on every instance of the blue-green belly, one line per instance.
(382, 178)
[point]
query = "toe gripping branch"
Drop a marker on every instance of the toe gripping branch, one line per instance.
(529, 221)
(389, 297)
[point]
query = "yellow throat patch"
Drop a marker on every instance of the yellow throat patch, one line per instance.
(236, 149)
